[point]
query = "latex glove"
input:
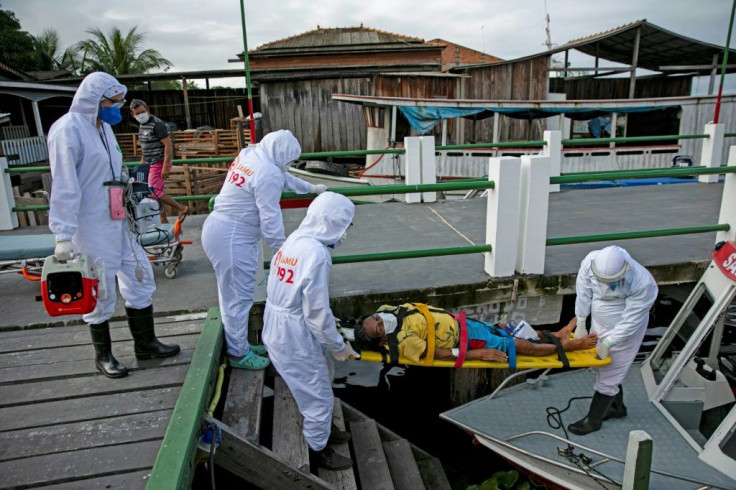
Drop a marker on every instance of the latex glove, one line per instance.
(580, 330)
(345, 353)
(317, 188)
(601, 352)
(65, 250)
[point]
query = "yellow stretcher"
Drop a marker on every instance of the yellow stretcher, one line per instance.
(580, 358)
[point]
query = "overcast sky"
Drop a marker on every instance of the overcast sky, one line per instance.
(202, 35)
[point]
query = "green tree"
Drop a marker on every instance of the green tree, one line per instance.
(119, 55)
(48, 49)
(16, 45)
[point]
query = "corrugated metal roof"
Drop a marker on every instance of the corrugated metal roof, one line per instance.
(340, 36)
(658, 47)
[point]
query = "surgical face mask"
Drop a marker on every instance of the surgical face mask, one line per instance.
(389, 322)
(339, 241)
(110, 114)
(142, 117)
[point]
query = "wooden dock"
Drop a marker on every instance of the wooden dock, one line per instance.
(64, 424)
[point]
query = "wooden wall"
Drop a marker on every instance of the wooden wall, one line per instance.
(523, 80)
(618, 88)
(417, 87)
(306, 108)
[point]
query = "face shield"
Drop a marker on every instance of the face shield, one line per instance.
(610, 278)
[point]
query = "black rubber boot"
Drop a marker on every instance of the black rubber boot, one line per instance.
(145, 343)
(618, 409)
(338, 436)
(105, 362)
(592, 422)
(329, 459)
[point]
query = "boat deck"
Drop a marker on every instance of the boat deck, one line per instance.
(63, 424)
(521, 410)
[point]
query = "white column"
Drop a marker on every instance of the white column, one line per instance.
(8, 219)
(553, 150)
(502, 217)
(728, 202)
(37, 118)
(710, 156)
(420, 166)
(534, 204)
(638, 465)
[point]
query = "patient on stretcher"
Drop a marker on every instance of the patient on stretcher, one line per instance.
(405, 326)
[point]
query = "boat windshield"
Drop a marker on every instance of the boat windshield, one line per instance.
(684, 325)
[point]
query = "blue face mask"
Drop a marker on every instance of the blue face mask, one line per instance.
(110, 114)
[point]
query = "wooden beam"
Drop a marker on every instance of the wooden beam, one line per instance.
(258, 465)
(591, 68)
(174, 465)
(243, 404)
(634, 63)
(695, 67)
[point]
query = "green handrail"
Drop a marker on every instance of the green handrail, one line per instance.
(372, 190)
(509, 144)
(628, 235)
(634, 139)
(405, 254)
(640, 174)
(729, 135)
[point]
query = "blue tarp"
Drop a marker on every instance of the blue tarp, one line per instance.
(423, 119)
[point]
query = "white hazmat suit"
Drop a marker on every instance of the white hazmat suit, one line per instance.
(619, 311)
(246, 209)
(299, 328)
(82, 157)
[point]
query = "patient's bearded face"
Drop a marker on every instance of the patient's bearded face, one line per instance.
(373, 326)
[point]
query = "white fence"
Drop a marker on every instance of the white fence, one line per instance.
(28, 150)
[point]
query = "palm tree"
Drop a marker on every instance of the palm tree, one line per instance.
(47, 47)
(118, 55)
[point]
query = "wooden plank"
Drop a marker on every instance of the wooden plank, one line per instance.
(260, 466)
(62, 389)
(174, 465)
(124, 429)
(404, 470)
(287, 439)
(79, 352)
(74, 465)
(89, 408)
(242, 410)
(135, 480)
(344, 479)
(370, 459)
(57, 337)
(433, 475)
(85, 367)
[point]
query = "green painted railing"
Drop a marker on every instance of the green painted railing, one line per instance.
(628, 235)
(372, 190)
(175, 463)
(640, 174)
(405, 254)
(633, 139)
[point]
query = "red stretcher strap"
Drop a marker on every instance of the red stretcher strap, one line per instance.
(463, 340)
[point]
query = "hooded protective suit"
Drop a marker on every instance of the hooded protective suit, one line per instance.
(82, 157)
(619, 312)
(299, 328)
(246, 208)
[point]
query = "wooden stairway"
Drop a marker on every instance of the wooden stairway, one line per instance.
(381, 458)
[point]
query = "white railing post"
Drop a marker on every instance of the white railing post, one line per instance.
(8, 219)
(638, 464)
(710, 155)
(502, 217)
(420, 166)
(534, 205)
(553, 150)
(728, 202)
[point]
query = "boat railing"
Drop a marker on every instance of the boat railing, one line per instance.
(605, 458)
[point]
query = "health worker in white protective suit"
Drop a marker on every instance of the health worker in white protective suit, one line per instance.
(87, 216)
(299, 328)
(617, 292)
(247, 208)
